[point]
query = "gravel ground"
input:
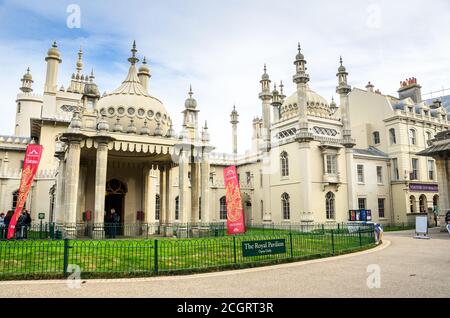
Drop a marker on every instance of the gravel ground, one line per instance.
(408, 268)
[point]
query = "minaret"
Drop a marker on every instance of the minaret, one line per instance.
(144, 74)
(301, 78)
(234, 121)
(265, 97)
(343, 89)
(91, 94)
(190, 114)
(304, 137)
(53, 60)
(27, 82)
(276, 102)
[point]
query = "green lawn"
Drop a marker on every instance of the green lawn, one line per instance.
(104, 258)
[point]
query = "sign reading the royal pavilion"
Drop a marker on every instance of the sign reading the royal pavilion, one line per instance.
(266, 247)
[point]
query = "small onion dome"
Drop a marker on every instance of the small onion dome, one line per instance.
(75, 123)
(91, 88)
(190, 103)
(341, 68)
(265, 76)
(102, 125)
(131, 129)
(145, 130)
(170, 132)
(117, 126)
(158, 131)
(27, 76)
(299, 55)
(53, 53)
(144, 69)
(333, 103)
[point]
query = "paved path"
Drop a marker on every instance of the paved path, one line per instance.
(409, 268)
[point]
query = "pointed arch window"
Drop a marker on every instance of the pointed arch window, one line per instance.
(330, 206)
(412, 137)
(392, 136)
(177, 208)
(157, 207)
(286, 206)
(284, 160)
(223, 208)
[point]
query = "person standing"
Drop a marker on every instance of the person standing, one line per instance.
(447, 221)
(2, 225)
(115, 219)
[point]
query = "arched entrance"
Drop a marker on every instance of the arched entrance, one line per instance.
(115, 199)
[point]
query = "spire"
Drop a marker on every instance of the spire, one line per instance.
(133, 59)
(27, 81)
(234, 116)
(300, 77)
(190, 102)
(80, 61)
(343, 88)
(282, 96)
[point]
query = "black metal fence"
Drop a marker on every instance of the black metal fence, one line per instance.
(153, 230)
(59, 258)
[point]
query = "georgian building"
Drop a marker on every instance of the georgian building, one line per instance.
(311, 160)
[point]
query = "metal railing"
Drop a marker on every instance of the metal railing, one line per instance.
(105, 258)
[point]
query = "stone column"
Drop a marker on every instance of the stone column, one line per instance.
(4, 184)
(184, 186)
(150, 200)
(351, 179)
(163, 196)
(59, 204)
(195, 185)
(306, 190)
(205, 170)
(100, 188)
(168, 190)
(71, 188)
(442, 171)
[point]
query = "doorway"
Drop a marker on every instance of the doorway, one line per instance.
(115, 199)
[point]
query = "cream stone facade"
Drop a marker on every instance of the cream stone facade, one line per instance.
(311, 160)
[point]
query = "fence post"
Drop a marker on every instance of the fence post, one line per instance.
(66, 256)
(234, 248)
(332, 241)
(156, 257)
(360, 239)
(290, 239)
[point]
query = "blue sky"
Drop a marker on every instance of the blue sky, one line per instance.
(220, 47)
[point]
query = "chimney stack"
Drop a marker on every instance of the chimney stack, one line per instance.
(410, 88)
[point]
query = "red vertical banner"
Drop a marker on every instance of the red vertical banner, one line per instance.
(33, 156)
(235, 211)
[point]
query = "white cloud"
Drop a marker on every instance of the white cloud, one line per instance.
(220, 47)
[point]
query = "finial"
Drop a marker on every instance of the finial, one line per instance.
(265, 68)
(54, 44)
(281, 87)
(28, 70)
(275, 86)
(340, 60)
(144, 61)
(206, 125)
(190, 91)
(133, 59)
(299, 47)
